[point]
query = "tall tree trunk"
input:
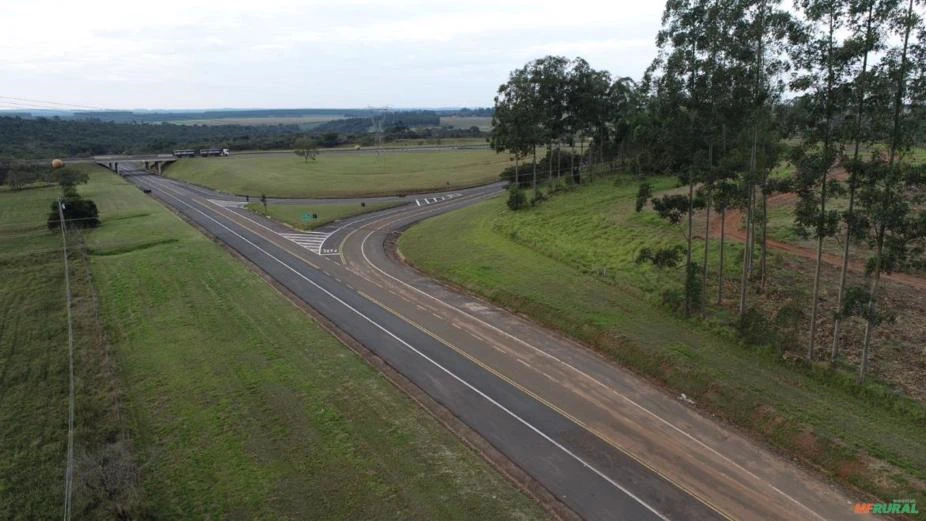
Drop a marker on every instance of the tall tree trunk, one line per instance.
(572, 157)
(723, 225)
(752, 227)
(753, 166)
(688, 259)
(550, 163)
(871, 308)
(744, 282)
(888, 201)
(517, 178)
(763, 262)
(821, 224)
(534, 180)
(850, 214)
(707, 240)
(581, 151)
(816, 294)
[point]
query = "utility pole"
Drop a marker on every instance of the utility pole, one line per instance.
(69, 469)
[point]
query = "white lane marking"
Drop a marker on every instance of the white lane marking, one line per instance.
(590, 377)
(437, 199)
(227, 204)
(453, 375)
(312, 241)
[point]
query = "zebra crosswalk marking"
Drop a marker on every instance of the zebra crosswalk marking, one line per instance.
(312, 241)
(434, 200)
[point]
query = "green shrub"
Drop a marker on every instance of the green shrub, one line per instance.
(80, 213)
(516, 198)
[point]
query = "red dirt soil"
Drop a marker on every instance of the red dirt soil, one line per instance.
(736, 232)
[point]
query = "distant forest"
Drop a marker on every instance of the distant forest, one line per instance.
(127, 116)
(66, 137)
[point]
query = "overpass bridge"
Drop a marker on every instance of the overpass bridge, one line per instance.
(153, 162)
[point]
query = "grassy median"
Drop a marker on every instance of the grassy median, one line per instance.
(238, 405)
(294, 215)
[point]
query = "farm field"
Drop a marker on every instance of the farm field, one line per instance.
(33, 359)
(570, 264)
(483, 122)
(342, 175)
(293, 214)
(305, 122)
(238, 404)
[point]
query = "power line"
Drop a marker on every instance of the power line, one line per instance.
(69, 472)
(55, 103)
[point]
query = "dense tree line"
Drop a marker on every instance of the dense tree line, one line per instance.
(710, 110)
(24, 138)
(126, 116)
(383, 122)
(50, 137)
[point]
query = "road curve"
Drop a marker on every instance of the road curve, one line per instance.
(605, 443)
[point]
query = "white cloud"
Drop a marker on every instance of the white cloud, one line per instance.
(283, 53)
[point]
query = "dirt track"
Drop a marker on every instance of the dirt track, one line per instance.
(734, 231)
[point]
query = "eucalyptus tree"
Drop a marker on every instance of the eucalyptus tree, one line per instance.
(622, 98)
(679, 80)
(517, 122)
(891, 190)
(762, 33)
(867, 23)
(588, 101)
(549, 76)
(822, 74)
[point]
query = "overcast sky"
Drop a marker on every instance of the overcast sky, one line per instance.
(183, 54)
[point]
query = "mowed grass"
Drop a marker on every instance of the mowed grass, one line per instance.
(350, 174)
(242, 407)
(33, 359)
(293, 215)
(569, 264)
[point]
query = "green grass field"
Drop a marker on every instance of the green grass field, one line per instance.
(342, 175)
(238, 404)
(293, 214)
(483, 122)
(33, 359)
(34, 375)
(569, 264)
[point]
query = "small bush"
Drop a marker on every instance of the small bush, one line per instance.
(643, 194)
(80, 213)
(662, 257)
(673, 299)
(538, 198)
(516, 198)
(754, 328)
(644, 255)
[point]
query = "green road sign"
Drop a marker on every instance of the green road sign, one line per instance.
(306, 217)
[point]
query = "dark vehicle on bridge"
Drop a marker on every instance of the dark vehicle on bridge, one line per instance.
(184, 153)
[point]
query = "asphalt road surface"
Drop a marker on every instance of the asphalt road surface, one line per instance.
(605, 443)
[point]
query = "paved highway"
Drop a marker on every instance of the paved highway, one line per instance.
(605, 443)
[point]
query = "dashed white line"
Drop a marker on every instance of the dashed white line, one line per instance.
(433, 362)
